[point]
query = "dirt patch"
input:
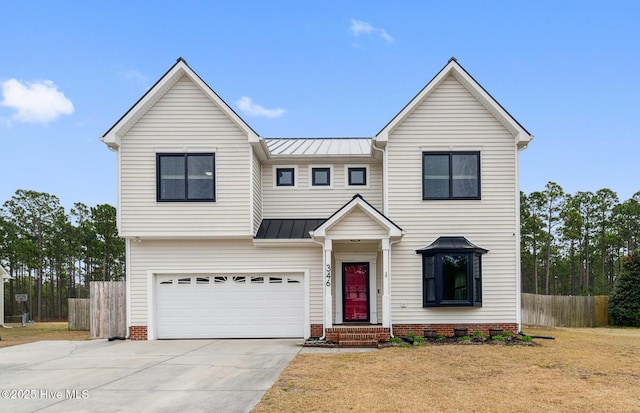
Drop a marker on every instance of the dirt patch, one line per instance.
(32, 332)
(581, 370)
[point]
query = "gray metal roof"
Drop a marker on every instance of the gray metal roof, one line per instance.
(319, 146)
(451, 243)
(287, 228)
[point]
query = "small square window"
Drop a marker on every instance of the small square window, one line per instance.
(321, 176)
(285, 177)
(357, 176)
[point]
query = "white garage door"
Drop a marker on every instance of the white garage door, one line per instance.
(230, 306)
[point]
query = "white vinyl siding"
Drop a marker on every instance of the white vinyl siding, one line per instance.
(452, 119)
(184, 120)
(257, 192)
(215, 256)
(319, 202)
(357, 224)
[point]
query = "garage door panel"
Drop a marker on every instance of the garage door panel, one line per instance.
(221, 306)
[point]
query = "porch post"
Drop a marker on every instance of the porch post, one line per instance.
(328, 271)
(386, 296)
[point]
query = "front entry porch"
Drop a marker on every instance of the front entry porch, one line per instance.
(356, 244)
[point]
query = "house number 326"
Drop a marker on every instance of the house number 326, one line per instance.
(328, 275)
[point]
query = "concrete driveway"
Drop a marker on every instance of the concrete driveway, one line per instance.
(153, 376)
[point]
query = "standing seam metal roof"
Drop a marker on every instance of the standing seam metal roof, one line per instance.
(319, 146)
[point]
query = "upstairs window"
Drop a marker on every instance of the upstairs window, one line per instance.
(357, 176)
(285, 177)
(321, 176)
(451, 273)
(185, 177)
(451, 175)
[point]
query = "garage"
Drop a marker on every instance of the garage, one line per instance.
(230, 306)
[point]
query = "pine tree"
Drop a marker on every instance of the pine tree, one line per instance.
(624, 304)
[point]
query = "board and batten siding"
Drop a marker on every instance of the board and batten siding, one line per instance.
(304, 201)
(218, 257)
(452, 119)
(184, 120)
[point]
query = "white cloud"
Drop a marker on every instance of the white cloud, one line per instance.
(133, 75)
(36, 102)
(246, 105)
(359, 27)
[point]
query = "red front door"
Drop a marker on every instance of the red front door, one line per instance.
(355, 282)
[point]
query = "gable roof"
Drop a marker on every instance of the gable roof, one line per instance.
(357, 202)
(453, 68)
(113, 136)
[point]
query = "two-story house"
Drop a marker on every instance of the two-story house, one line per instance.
(230, 234)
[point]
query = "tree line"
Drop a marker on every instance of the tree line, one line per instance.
(53, 254)
(573, 244)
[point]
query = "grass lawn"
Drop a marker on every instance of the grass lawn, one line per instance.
(581, 370)
(38, 332)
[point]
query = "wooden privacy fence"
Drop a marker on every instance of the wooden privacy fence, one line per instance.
(565, 311)
(108, 310)
(78, 313)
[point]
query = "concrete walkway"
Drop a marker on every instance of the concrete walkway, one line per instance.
(141, 376)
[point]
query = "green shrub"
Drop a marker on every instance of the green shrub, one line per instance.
(624, 304)
(439, 336)
(465, 338)
(418, 340)
(498, 338)
(527, 339)
(507, 334)
(395, 340)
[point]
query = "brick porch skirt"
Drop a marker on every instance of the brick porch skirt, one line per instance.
(415, 329)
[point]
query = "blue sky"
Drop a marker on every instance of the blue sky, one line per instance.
(567, 71)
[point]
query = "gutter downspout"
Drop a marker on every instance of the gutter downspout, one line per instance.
(390, 312)
(385, 211)
(385, 181)
(324, 332)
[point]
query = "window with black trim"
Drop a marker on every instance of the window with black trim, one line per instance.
(285, 176)
(452, 273)
(321, 176)
(357, 176)
(185, 177)
(451, 175)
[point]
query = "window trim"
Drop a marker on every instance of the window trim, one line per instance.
(445, 246)
(474, 287)
(347, 176)
(185, 155)
(295, 176)
(451, 154)
(312, 183)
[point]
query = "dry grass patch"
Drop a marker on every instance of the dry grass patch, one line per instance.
(582, 370)
(38, 332)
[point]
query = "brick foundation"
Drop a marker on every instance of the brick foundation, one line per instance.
(137, 332)
(447, 329)
(317, 331)
(382, 334)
